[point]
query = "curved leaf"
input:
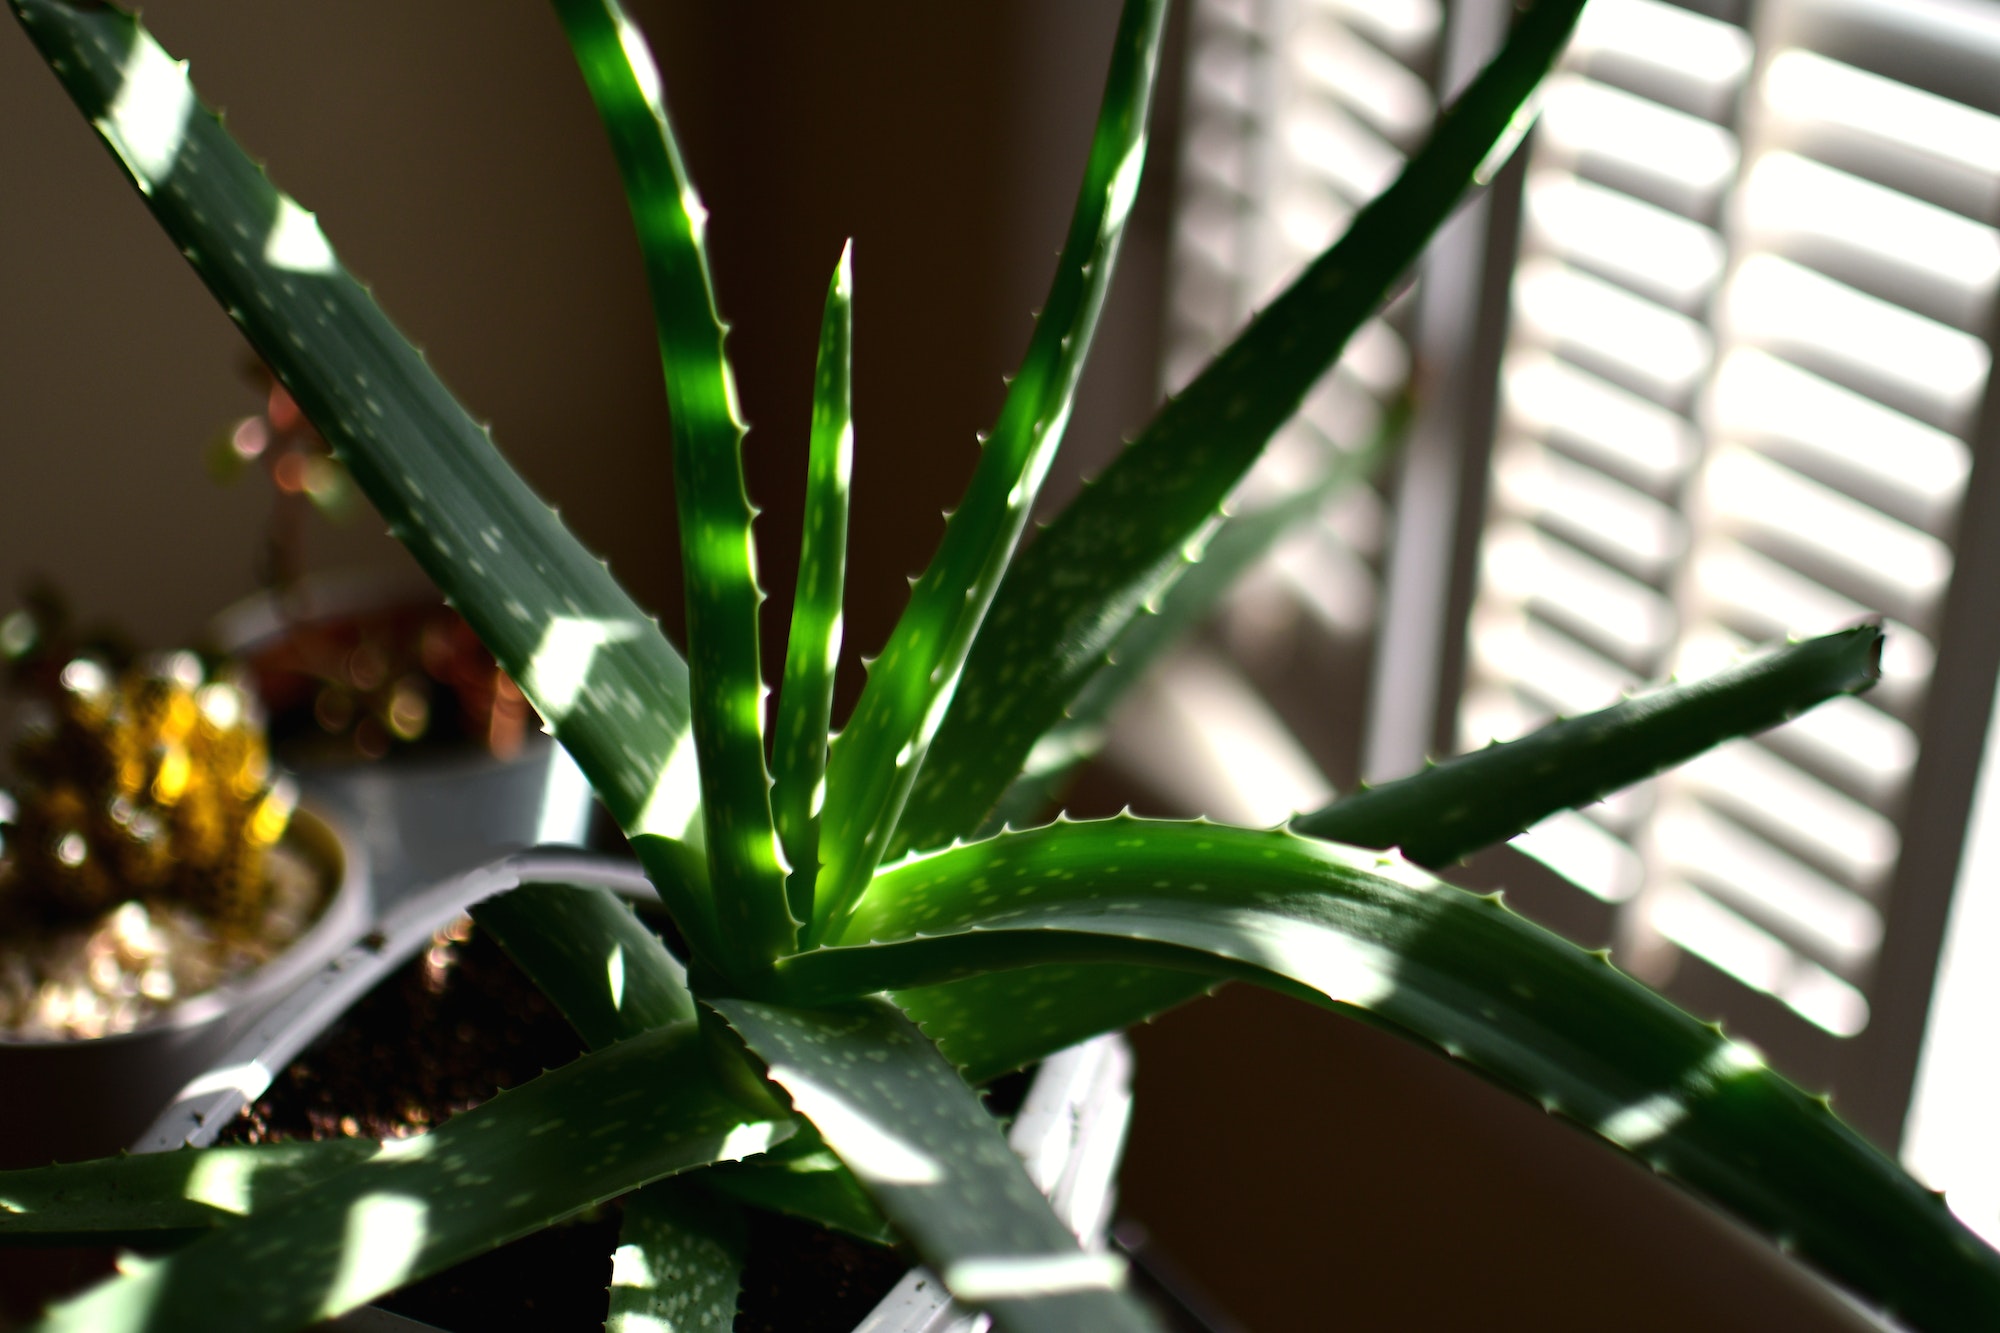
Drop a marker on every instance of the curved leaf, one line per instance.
(1369, 933)
(999, 1021)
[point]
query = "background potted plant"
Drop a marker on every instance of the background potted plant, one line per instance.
(158, 890)
(797, 923)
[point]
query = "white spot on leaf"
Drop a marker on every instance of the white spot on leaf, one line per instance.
(870, 1149)
(1124, 185)
(383, 1236)
(1005, 1277)
(561, 662)
(676, 794)
(146, 124)
(296, 243)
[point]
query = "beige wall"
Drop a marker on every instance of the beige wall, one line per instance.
(453, 158)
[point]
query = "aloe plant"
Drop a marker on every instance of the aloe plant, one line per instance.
(858, 958)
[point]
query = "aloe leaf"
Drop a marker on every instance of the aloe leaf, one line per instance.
(1368, 933)
(997, 1022)
(609, 1122)
(1435, 817)
(1240, 541)
(1079, 583)
(1452, 809)
(161, 1199)
(805, 703)
(879, 753)
(597, 668)
(613, 978)
(678, 1267)
(803, 1178)
(587, 950)
(718, 552)
(922, 1143)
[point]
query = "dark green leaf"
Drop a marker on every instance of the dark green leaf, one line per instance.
(1436, 816)
(922, 1143)
(679, 1263)
(1452, 809)
(586, 950)
(1239, 543)
(607, 1123)
(161, 1199)
(595, 666)
(803, 1177)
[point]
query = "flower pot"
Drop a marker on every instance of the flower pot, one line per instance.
(71, 1099)
(1070, 1129)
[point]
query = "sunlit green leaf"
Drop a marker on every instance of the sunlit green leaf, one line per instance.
(805, 705)
(881, 750)
(717, 550)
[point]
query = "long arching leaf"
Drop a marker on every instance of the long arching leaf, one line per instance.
(1369, 933)
(596, 667)
(1451, 810)
(1437, 816)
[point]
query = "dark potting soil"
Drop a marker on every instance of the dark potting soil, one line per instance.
(440, 1035)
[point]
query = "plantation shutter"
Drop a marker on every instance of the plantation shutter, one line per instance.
(1745, 380)
(1295, 113)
